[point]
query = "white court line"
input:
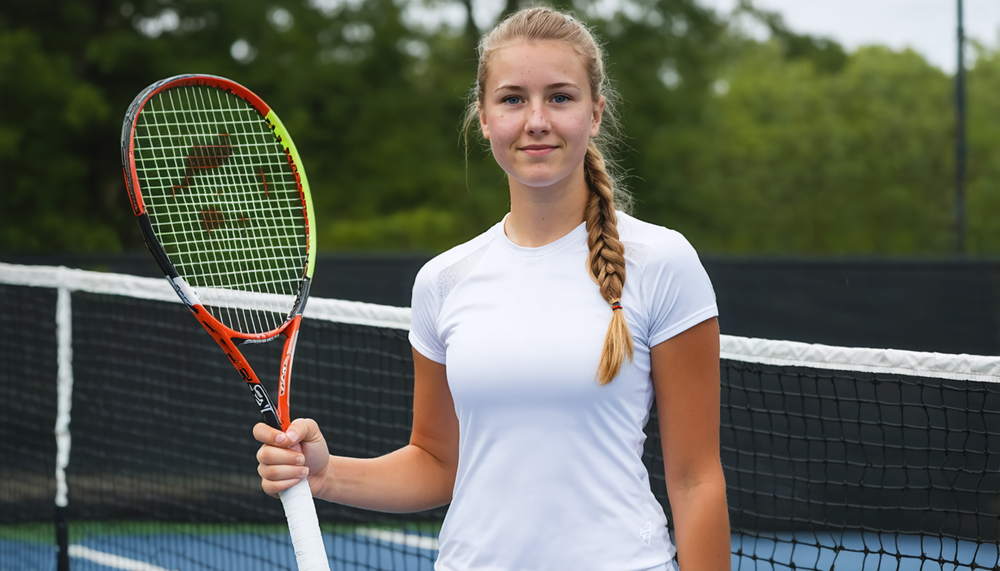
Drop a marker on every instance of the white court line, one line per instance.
(400, 538)
(109, 560)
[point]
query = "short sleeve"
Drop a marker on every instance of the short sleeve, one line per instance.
(425, 307)
(675, 288)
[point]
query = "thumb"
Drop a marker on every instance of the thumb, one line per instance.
(305, 436)
(301, 430)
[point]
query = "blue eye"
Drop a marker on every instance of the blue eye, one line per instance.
(511, 99)
(560, 98)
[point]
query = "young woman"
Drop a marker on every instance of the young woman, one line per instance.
(538, 348)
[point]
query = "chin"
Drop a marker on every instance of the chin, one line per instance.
(542, 180)
(539, 184)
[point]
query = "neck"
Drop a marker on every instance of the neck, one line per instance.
(542, 215)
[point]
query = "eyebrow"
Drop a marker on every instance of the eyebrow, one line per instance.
(552, 86)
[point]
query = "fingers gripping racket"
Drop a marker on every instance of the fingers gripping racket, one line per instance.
(224, 206)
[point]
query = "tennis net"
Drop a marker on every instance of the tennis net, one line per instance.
(126, 442)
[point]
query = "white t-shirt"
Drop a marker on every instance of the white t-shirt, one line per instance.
(550, 475)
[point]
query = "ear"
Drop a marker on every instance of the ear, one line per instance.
(595, 125)
(483, 126)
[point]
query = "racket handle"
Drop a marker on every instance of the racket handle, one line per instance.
(303, 525)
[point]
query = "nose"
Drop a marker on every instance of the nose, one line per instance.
(538, 120)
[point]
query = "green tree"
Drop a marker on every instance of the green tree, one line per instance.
(784, 146)
(664, 59)
(983, 187)
(372, 105)
(805, 161)
(50, 196)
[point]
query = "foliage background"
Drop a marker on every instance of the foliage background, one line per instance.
(787, 145)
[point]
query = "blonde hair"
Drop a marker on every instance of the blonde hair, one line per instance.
(606, 261)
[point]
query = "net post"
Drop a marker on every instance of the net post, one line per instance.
(62, 540)
(960, 138)
(64, 395)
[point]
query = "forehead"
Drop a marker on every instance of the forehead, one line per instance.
(525, 63)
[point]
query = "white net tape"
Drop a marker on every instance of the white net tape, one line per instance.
(765, 351)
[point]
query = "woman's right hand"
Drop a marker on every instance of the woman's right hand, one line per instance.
(416, 477)
(285, 457)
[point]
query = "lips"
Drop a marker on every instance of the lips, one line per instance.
(538, 150)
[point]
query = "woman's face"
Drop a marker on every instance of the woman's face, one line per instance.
(538, 112)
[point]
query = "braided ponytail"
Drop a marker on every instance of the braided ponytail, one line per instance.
(606, 262)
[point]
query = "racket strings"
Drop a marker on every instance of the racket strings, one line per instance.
(224, 203)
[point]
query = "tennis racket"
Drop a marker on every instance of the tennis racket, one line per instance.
(223, 204)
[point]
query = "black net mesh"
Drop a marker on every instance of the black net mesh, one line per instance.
(846, 470)
(27, 446)
(825, 469)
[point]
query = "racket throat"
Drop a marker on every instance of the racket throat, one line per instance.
(285, 378)
(267, 410)
(264, 403)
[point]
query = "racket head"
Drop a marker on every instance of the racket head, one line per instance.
(223, 202)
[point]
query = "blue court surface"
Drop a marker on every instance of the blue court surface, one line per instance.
(365, 550)
(383, 549)
(859, 551)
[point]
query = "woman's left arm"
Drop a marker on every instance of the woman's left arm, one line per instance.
(685, 372)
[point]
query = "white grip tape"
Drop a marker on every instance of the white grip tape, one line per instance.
(303, 525)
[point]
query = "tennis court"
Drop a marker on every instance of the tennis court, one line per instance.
(161, 548)
(835, 458)
(368, 548)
